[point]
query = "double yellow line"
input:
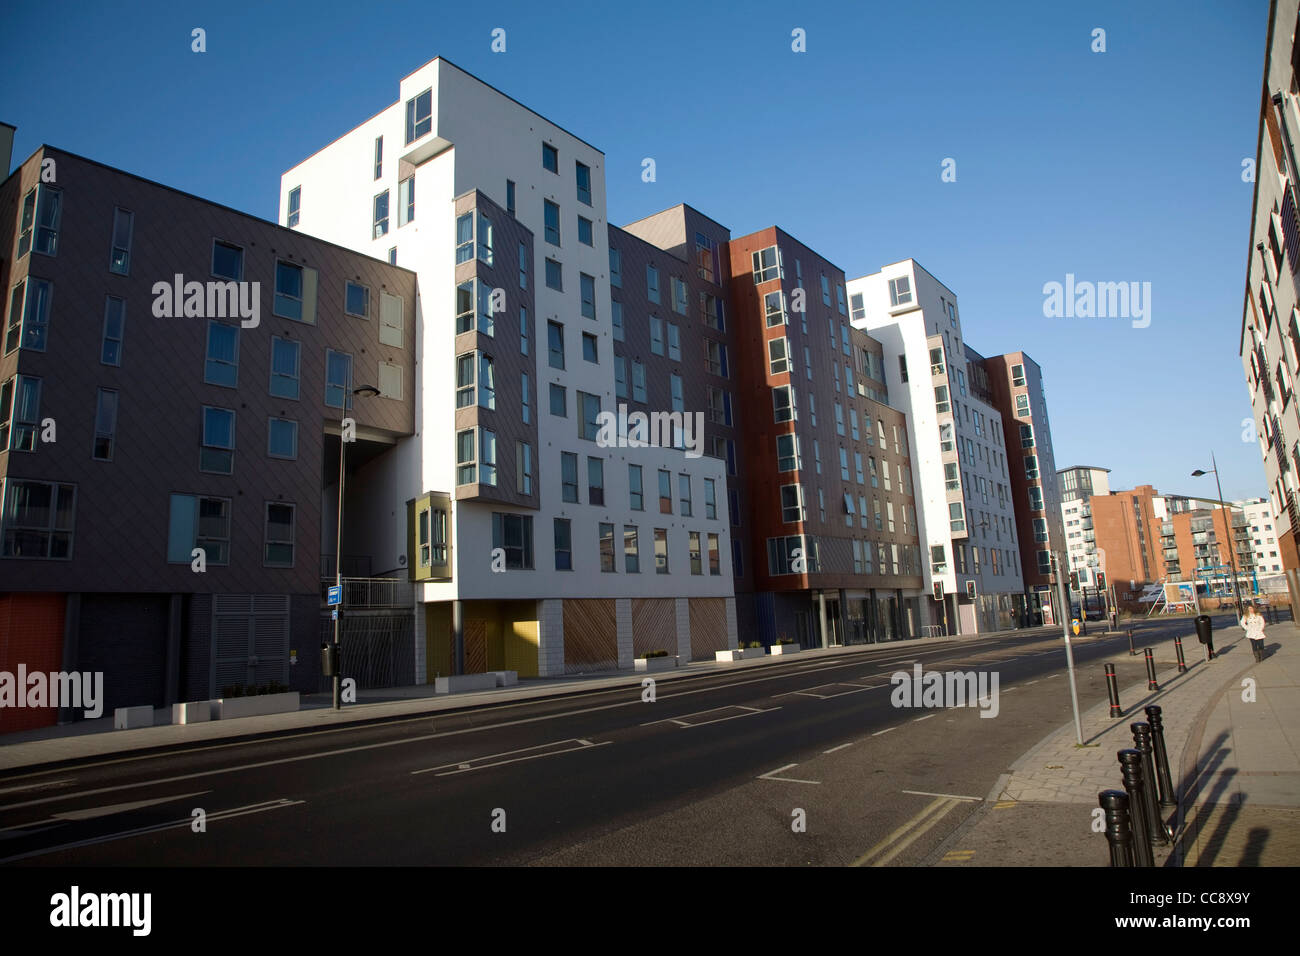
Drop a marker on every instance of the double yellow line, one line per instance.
(891, 846)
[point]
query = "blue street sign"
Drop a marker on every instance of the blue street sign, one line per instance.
(334, 614)
(335, 594)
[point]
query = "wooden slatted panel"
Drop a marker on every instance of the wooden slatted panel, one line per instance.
(654, 625)
(708, 627)
(476, 647)
(590, 636)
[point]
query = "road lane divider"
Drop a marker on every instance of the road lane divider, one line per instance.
(512, 756)
(891, 846)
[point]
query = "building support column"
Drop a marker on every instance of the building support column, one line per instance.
(550, 637)
(682, 616)
(844, 618)
(821, 617)
(623, 632)
(172, 674)
(71, 649)
(457, 637)
(733, 629)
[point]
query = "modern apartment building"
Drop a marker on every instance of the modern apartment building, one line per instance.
(1015, 384)
(836, 551)
(540, 540)
(1077, 486)
(967, 524)
(1263, 531)
(1270, 324)
(172, 388)
(1194, 547)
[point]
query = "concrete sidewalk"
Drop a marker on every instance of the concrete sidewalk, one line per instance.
(88, 739)
(1235, 766)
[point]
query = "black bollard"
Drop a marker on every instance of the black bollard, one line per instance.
(1132, 651)
(1151, 672)
(1130, 762)
(1163, 777)
(1178, 646)
(1112, 688)
(1142, 743)
(1119, 832)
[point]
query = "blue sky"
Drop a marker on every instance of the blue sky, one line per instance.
(1115, 166)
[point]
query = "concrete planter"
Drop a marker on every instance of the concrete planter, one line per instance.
(128, 718)
(193, 712)
(460, 683)
(228, 708)
(655, 663)
(782, 649)
(506, 678)
(740, 654)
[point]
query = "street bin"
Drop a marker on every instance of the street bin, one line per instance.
(329, 660)
(1205, 634)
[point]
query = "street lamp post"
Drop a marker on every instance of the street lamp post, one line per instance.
(338, 546)
(1232, 543)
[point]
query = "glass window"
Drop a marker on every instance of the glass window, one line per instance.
(656, 335)
(465, 237)
(569, 476)
(381, 215)
(357, 300)
(563, 544)
(554, 275)
(583, 175)
(607, 548)
(284, 367)
(282, 438)
(119, 256)
(419, 116)
(487, 457)
(631, 553)
(379, 157)
(559, 400)
(550, 158)
(778, 354)
(589, 347)
(514, 535)
(638, 381)
(338, 377)
(710, 499)
(105, 424)
(551, 219)
(693, 548)
(523, 468)
(1017, 375)
(616, 316)
(29, 315)
(587, 286)
(465, 457)
(279, 535)
(405, 201)
(218, 452)
(636, 498)
(661, 551)
(652, 284)
(787, 453)
(674, 343)
(110, 352)
(555, 344)
(288, 291)
(680, 301)
(596, 481)
(684, 495)
(222, 364)
(774, 308)
(615, 268)
(589, 425)
(665, 492)
(767, 264)
(586, 235)
(900, 291)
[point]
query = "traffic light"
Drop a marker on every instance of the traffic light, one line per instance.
(1074, 580)
(1101, 580)
(938, 591)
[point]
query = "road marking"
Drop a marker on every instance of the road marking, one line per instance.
(907, 834)
(810, 691)
(949, 796)
(1010, 689)
(772, 775)
(93, 813)
(464, 766)
(1028, 682)
(958, 856)
(909, 660)
(919, 719)
(684, 720)
(38, 786)
(885, 731)
(140, 831)
(1004, 805)
(840, 747)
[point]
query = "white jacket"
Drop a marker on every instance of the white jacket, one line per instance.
(1253, 626)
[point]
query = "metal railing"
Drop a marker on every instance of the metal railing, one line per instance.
(372, 592)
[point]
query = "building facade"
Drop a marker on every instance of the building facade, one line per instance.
(1077, 486)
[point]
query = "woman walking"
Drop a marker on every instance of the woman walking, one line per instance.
(1252, 622)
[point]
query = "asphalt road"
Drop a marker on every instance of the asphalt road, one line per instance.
(799, 763)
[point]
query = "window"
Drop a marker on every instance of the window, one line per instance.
(222, 364)
(392, 255)
(119, 256)
(715, 554)
(29, 315)
(684, 495)
(379, 157)
(587, 287)
(857, 467)
(719, 406)
(42, 208)
(554, 275)
(631, 553)
(278, 551)
(941, 399)
(284, 368)
(620, 377)
(1017, 376)
(555, 344)
(589, 425)
(774, 309)
(693, 547)
(638, 381)
(616, 268)
(464, 238)
(1035, 498)
(665, 492)
(656, 335)
(289, 292)
(550, 158)
(514, 535)
(526, 399)
(826, 290)
(1040, 529)
(839, 300)
(25, 416)
(674, 343)
(569, 476)
(282, 438)
(956, 517)
(636, 497)
(783, 404)
(583, 175)
(523, 468)
(487, 391)
(198, 522)
(844, 465)
(675, 390)
(585, 234)
(952, 481)
(783, 552)
(227, 260)
(652, 284)
(357, 300)
(1031, 466)
(595, 481)
(381, 215)
(559, 400)
(710, 500)
(551, 217)
(792, 503)
(711, 311)
(607, 548)
(419, 116)
(839, 420)
(680, 301)
(1022, 406)
(390, 381)
(467, 465)
(405, 201)
(778, 355)
(661, 551)
(218, 452)
(767, 264)
(563, 545)
(616, 318)
(787, 453)
(510, 196)
(338, 379)
(110, 352)
(900, 291)
(1026, 436)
